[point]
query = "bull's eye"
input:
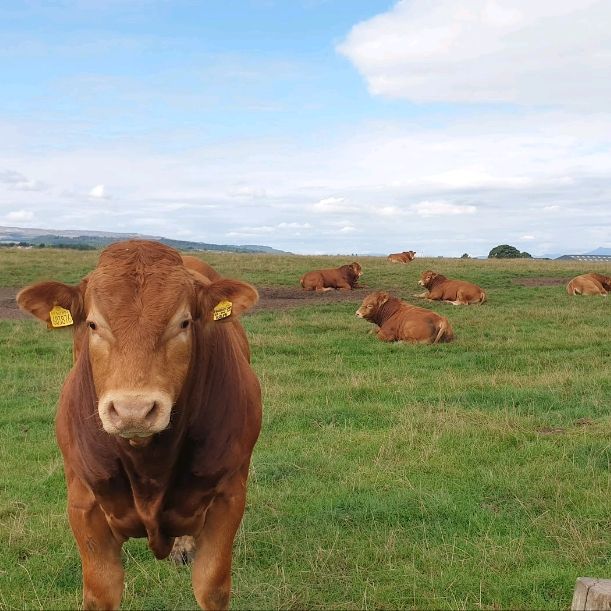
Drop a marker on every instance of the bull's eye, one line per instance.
(184, 324)
(92, 325)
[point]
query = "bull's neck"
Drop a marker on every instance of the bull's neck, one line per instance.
(387, 310)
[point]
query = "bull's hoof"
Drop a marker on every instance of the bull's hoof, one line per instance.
(183, 551)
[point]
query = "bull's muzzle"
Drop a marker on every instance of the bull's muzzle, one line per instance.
(135, 413)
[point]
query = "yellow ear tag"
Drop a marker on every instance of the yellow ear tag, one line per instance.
(60, 317)
(222, 310)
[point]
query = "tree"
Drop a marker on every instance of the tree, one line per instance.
(465, 256)
(505, 251)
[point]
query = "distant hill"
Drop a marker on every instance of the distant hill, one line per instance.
(99, 239)
(599, 251)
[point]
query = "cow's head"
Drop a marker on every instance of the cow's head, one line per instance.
(357, 269)
(372, 304)
(137, 312)
(604, 280)
(427, 278)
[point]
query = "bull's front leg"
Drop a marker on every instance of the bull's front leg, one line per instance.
(99, 549)
(214, 545)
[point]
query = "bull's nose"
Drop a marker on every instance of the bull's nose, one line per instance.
(132, 410)
(134, 413)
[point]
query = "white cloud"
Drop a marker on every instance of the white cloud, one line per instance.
(18, 182)
(247, 191)
(348, 229)
(526, 238)
(98, 192)
(331, 205)
(19, 216)
(441, 208)
(545, 52)
(283, 227)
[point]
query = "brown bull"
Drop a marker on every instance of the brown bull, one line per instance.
(401, 321)
(589, 284)
(402, 257)
(457, 292)
(344, 278)
(158, 417)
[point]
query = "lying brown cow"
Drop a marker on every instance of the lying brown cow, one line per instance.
(402, 257)
(344, 278)
(458, 292)
(401, 321)
(589, 284)
(158, 417)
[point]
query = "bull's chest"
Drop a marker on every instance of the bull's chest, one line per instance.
(156, 510)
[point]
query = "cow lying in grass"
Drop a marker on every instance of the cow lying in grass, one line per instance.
(589, 284)
(402, 257)
(457, 292)
(401, 321)
(344, 278)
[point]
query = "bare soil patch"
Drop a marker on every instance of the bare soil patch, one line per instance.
(270, 298)
(283, 298)
(9, 310)
(544, 281)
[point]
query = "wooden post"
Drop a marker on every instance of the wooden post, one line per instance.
(592, 595)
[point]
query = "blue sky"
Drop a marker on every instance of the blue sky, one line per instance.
(315, 126)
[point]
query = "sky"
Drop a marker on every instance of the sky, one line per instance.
(312, 126)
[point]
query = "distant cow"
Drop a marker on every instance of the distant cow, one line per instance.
(457, 292)
(589, 284)
(158, 417)
(402, 257)
(401, 321)
(344, 278)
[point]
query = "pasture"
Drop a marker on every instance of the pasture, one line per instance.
(475, 474)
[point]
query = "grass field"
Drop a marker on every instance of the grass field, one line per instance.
(468, 475)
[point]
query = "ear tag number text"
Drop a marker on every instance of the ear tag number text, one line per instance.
(60, 317)
(222, 310)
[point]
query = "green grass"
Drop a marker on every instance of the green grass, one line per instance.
(468, 475)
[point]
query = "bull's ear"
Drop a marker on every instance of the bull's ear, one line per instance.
(224, 299)
(39, 299)
(383, 297)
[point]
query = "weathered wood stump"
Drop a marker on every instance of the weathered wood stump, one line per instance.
(592, 595)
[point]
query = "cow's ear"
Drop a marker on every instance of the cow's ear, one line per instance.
(224, 299)
(383, 297)
(42, 298)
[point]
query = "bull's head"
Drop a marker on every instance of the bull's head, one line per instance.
(357, 269)
(371, 304)
(133, 318)
(427, 278)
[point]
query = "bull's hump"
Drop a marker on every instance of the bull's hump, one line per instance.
(135, 252)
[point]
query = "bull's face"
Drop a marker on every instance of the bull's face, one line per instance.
(136, 313)
(358, 270)
(606, 282)
(371, 304)
(426, 278)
